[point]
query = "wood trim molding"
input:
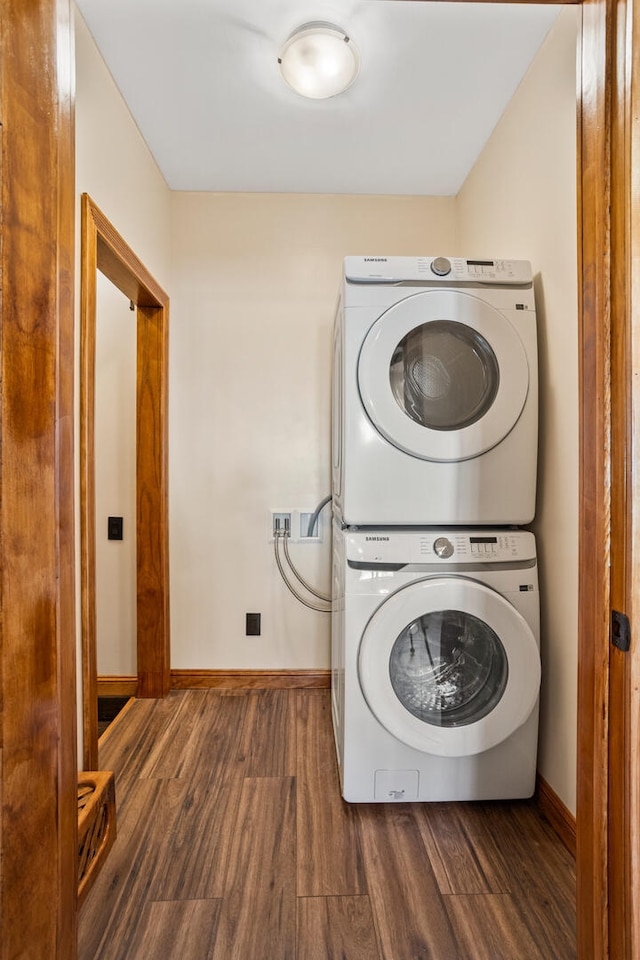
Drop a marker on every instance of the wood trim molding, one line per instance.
(631, 204)
(104, 249)
(624, 670)
(250, 679)
(121, 265)
(621, 757)
(38, 795)
(117, 686)
(88, 267)
(594, 258)
(558, 815)
(152, 501)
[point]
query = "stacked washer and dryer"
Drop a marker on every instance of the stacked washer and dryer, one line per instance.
(435, 623)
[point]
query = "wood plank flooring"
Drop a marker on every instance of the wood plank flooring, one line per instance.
(234, 844)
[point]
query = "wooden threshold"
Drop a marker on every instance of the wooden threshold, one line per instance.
(250, 679)
(558, 815)
(124, 686)
(119, 715)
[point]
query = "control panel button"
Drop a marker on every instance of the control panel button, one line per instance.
(443, 547)
(441, 266)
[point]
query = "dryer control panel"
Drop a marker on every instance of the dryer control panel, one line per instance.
(434, 270)
(434, 546)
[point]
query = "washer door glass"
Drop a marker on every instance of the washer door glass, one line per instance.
(448, 668)
(444, 375)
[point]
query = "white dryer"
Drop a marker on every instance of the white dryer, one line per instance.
(435, 392)
(435, 664)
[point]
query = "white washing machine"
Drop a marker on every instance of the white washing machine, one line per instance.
(435, 663)
(435, 392)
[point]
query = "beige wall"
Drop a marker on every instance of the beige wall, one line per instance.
(115, 459)
(114, 166)
(254, 286)
(520, 201)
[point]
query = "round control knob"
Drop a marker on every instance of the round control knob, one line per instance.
(443, 547)
(441, 266)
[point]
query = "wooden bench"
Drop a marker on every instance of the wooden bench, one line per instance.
(96, 826)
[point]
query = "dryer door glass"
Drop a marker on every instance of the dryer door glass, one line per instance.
(448, 668)
(444, 375)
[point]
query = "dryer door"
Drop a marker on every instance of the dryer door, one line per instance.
(337, 408)
(443, 375)
(449, 666)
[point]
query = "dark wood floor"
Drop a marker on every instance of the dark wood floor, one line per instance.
(234, 844)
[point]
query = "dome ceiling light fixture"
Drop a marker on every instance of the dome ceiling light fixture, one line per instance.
(319, 60)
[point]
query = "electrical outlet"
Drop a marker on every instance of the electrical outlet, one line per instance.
(114, 528)
(252, 628)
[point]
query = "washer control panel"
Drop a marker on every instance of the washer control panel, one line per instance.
(436, 269)
(429, 546)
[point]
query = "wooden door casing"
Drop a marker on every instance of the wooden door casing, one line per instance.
(37, 564)
(624, 668)
(39, 711)
(104, 249)
(594, 184)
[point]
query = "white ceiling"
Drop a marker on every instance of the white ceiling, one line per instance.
(201, 80)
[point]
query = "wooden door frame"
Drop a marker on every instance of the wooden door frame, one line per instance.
(38, 725)
(608, 812)
(103, 249)
(594, 256)
(623, 823)
(38, 796)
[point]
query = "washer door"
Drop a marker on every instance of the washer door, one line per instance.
(450, 667)
(443, 375)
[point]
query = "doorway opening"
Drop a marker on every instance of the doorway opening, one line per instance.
(104, 250)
